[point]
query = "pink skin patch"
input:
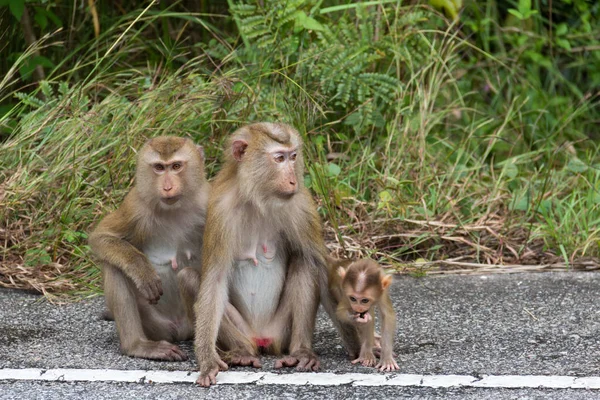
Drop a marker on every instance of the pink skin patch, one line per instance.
(250, 256)
(263, 342)
(174, 263)
(264, 246)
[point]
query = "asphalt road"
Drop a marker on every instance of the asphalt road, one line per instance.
(521, 324)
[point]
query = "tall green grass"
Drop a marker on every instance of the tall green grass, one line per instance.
(426, 149)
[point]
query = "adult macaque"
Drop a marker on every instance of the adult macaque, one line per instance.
(357, 288)
(145, 246)
(263, 257)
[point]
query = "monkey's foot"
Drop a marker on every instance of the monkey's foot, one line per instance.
(162, 350)
(244, 360)
(387, 365)
(303, 360)
(367, 360)
(208, 373)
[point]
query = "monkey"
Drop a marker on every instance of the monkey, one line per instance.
(149, 249)
(358, 287)
(263, 260)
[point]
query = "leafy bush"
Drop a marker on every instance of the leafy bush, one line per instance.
(433, 142)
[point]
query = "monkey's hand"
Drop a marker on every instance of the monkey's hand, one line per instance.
(150, 286)
(303, 360)
(361, 318)
(209, 370)
(387, 364)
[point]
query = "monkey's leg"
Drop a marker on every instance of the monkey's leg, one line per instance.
(234, 332)
(235, 337)
(348, 332)
(121, 299)
(300, 300)
(377, 344)
(189, 284)
(388, 331)
(366, 333)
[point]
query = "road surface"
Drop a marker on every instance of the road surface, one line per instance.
(534, 335)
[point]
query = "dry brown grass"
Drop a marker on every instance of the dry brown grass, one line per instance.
(485, 248)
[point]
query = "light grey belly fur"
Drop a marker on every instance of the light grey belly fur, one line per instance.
(170, 304)
(262, 285)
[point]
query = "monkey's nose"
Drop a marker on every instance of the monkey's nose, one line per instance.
(167, 188)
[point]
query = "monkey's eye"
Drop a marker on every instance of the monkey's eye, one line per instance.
(279, 158)
(353, 299)
(364, 301)
(176, 166)
(293, 156)
(158, 167)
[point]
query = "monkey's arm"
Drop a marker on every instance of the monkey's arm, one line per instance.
(217, 263)
(388, 331)
(343, 314)
(110, 246)
(366, 333)
(333, 305)
(302, 300)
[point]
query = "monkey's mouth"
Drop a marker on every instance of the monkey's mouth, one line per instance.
(170, 200)
(362, 314)
(286, 195)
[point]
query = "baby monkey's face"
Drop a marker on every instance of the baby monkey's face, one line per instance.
(360, 301)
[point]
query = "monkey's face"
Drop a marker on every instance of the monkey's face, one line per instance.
(168, 181)
(165, 178)
(283, 162)
(267, 167)
(360, 302)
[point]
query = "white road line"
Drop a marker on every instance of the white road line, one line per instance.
(317, 379)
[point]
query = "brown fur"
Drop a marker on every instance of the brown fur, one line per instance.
(248, 209)
(166, 146)
(144, 297)
(365, 280)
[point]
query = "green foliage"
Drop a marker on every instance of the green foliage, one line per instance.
(16, 7)
(450, 7)
(428, 136)
(351, 65)
(524, 10)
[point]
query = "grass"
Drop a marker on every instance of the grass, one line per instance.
(465, 166)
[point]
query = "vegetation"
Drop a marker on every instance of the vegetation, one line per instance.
(437, 140)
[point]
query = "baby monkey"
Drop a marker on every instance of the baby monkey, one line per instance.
(358, 287)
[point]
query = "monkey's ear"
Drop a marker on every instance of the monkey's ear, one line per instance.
(239, 148)
(341, 272)
(386, 281)
(200, 150)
